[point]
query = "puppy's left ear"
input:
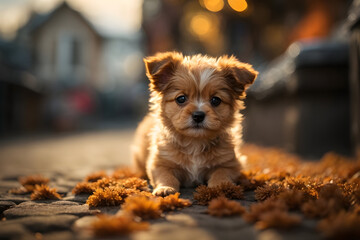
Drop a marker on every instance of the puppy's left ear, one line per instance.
(239, 75)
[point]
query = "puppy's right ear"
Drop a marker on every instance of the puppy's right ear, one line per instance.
(160, 68)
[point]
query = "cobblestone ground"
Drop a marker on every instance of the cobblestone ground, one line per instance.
(66, 160)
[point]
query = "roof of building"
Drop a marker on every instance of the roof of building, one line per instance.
(36, 21)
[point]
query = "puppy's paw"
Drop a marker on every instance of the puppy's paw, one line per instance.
(164, 191)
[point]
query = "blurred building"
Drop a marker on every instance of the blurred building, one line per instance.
(21, 100)
(68, 50)
(300, 102)
(84, 70)
(354, 26)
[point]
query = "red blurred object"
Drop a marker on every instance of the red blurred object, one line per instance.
(81, 101)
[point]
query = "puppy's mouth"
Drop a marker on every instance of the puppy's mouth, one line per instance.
(195, 126)
(198, 126)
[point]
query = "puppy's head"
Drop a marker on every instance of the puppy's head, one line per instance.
(197, 96)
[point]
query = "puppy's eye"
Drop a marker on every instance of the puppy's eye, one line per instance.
(215, 101)
(181, 99)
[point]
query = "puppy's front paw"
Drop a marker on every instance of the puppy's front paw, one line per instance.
(164, 191)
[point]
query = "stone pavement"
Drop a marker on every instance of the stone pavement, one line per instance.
(66, 160)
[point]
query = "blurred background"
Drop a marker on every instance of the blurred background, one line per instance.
(76, 65)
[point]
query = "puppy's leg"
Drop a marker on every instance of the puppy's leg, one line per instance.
(223, 175)
(164, 181)
(141, 145)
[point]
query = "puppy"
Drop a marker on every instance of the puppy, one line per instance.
(192, 133)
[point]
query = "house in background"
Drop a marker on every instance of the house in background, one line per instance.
(82, 66)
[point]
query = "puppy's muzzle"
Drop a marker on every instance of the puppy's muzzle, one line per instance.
(198, 116)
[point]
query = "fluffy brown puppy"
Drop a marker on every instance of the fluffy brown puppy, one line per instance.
(192, 133)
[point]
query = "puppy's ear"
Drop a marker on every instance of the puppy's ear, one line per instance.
(239, 75)
(160, 68)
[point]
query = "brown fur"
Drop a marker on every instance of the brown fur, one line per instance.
(168, 147)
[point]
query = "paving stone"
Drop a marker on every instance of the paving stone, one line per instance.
(5, 186)
(82, 198)
(249, 196)
(203, 220)
(61, 190)
(44, 223)
(63, 202)
(270, 234)
(245, 203)
(14, 198)
(108, 210)
(83, 223)
(187, 193)
(26, 209)
(5, 205)
(10, 177)
(58, 235)
(293, 234)
(165, 231)
(248, 233)
(81, 226)
(14, 231)
(194, 209)
(66, 183)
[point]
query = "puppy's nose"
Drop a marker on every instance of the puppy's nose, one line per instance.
(198, 116)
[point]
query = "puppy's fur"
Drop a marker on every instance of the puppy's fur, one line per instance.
(173, 149)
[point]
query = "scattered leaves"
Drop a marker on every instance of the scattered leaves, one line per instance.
(106, 226)
(29, 182)
(173, 202)
(134, 183)
(221, 207)
(95, 176)
(203, 194)
(344, 225)
(277, 219)
(44, 192)
(142, 206)
(84, 188)
(256, 210)
(267, 191)
(110, 196)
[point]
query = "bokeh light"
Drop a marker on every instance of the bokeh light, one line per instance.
(238, 5)
(213, 5)
(200, 24)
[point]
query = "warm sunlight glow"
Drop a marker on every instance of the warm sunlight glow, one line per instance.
(200, 24)
(238, 5)
(214, 5)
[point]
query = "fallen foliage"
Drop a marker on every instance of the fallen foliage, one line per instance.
(134, 183)
(44, 192)
(267, 191)
(344, 225)
(258, 209)
(277, 219)
(142, 207)
(84, 188)
(203, 194)
(106, 226)
(110, 196)
(29, 182)
(221, 207)
(292, 198)
(173, 202)
(95, 176)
